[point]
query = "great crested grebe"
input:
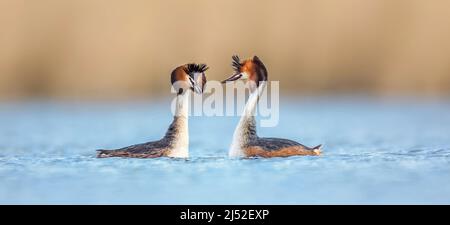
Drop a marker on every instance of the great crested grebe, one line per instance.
(175, 143)
(246, 142)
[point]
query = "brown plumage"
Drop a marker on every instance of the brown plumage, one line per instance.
(258, 151)
(254, 146)
(151, 149)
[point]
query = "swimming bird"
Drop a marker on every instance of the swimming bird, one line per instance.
(175, 143)
(246, 143)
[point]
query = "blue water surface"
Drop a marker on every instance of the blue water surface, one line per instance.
(375, 152)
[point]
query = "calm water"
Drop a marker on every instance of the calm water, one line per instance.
(375, 151)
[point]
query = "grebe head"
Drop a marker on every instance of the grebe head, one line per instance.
(250, 69)
(189, 76)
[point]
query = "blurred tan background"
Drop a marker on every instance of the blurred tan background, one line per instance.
(93, 49)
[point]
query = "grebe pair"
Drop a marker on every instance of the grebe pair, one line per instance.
(245, 144)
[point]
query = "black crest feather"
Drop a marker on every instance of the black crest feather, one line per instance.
(236, 63)
(195, 68)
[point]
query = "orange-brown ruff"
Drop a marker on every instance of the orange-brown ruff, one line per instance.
(246, 143)
(175, 142)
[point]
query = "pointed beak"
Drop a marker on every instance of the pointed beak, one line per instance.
(233, 78)
(197, 89)
(194, 86)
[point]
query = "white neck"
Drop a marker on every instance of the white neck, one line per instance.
(182, 107)
(240, 135)
(180, 147)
